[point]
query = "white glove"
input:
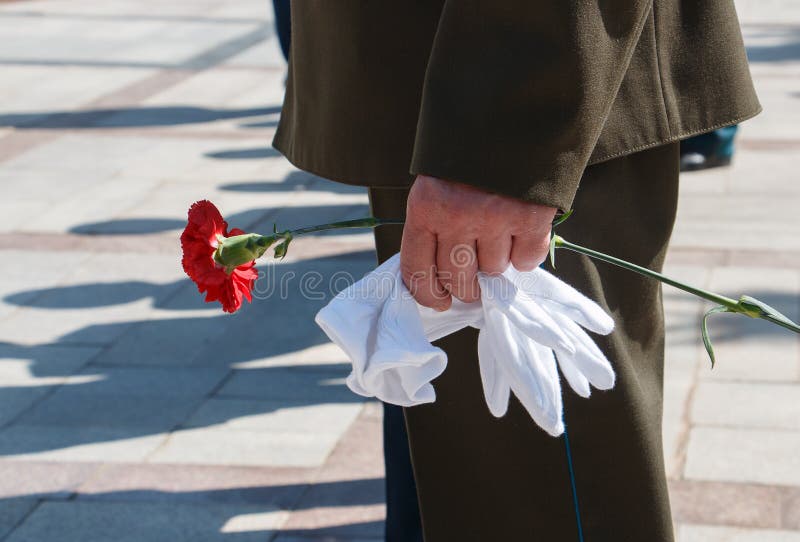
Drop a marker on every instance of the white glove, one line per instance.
(377, 324)
(528, 317)
(523, 317)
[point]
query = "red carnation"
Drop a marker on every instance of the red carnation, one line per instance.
(199, 241)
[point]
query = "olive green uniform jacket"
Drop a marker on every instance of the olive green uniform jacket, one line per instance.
(514, 96)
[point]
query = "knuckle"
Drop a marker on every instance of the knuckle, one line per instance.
(525, 263)
(462, 255)
(494, 267)
(468, 295)
(439, 302)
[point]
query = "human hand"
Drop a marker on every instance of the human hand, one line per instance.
(453, 230)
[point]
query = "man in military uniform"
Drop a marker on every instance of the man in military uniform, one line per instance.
(482, 119)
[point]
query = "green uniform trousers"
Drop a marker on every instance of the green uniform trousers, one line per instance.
(487, 479)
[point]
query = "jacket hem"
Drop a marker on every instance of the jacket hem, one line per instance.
(675, 137)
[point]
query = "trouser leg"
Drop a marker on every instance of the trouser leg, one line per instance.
(485, 479)
(402, 508)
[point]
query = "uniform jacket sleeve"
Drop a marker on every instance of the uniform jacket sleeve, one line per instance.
(517, 91)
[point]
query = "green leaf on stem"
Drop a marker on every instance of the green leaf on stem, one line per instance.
(553, 241)
(562, 218)
(282, 248)
(704, 329)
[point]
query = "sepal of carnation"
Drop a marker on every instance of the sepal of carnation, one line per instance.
(240, 249)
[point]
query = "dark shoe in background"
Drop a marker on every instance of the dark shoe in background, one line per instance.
(705, 151)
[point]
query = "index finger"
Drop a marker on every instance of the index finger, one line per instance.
(418, 268)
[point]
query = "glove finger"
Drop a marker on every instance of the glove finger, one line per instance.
(551, 418)
(523, 312)
(596, 319)
(577, 381)
(495, 386)
(531, 372)
(533, 322)
(560, 296)
(441, 324)
(588, 359)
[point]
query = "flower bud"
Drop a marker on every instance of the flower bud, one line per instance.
(241, 249)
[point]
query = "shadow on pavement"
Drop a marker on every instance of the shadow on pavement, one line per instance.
(150, 376)
(131, 117)
(295, 181)
(179, 516)
(255, 220)
(244, 154)
(784, 46)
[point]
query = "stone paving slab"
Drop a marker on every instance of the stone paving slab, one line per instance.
(82, 444)
(744, 455)
(691, 533)
(75, 407)
(732, 504)
(27, 98)
(42, 479)
(221, 446)
(279, 487)
(319, 383)
(30, 373)
(116, 43)
(737, 404)
(276, 417)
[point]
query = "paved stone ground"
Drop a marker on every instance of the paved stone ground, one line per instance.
(129, 410)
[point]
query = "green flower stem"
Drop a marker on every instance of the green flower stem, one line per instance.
(746, 305)
(781, 322)
(241, 249)
(731, 304)
(370, 222)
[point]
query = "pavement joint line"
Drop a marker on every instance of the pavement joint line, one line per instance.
(766, 144)
(209, 395)
(125, 17)
(254, 134)
(733, 426)
(67, 63)
(229, 48)
(760, 382)
(16, 143)
(22, 520)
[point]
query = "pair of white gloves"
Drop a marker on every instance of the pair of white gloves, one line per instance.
(528, 321)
